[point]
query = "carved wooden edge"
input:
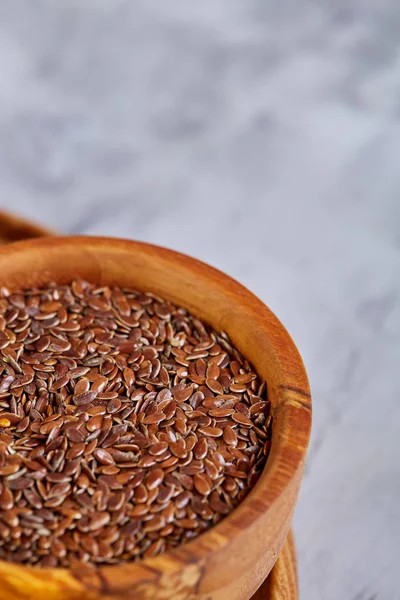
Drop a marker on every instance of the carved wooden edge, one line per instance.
(281, 584)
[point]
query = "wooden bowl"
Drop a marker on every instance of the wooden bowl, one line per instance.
(281, 583)
(13, 229)
(230, 561)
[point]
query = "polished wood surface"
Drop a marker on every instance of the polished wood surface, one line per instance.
(231, 560)
(281, 583)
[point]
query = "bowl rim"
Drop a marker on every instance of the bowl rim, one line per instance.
(294, 406)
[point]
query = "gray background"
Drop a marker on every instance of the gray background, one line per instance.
(262, 137)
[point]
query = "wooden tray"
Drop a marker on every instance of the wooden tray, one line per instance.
(282, 581)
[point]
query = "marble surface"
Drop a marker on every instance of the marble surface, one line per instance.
(263, 138)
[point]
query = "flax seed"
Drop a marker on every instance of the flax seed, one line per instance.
(127, 426)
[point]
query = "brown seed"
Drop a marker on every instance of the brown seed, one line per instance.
(5, 383)
(259, 408)
(84, 398)
(165, 494)
(99, 385)
(22, 425)
(218, 505)
(221, 412)
(116, 501)
(114, 405)
(21, 483)
(11, 417)
(130, 528)
(155, 417)
(213, 371)
(155, 548)
(168, 462)
(6, 499)
(75, 451)
(237, 387)
(214, 402)
(183, 395)
(141, 494)
(201, 448)
(96, 410)
(154, 478)
(158, 448)
(202, 484)
(230, 436)
(157, 522)
(60, 489)
(89, 447)
(78, 372)
(58, 477)
(9, 469)
(214, 386)
(124, 439)
(178, 448)
(139, 510)
(103, 456)
(10, 518)
(60, 383)
(129, 376)
(187, 523)
(199, 417)
(99, 519)
(169, 409)
(74, 434)
(211, 431)
(98, 304)
(146, 461)
(242, 419)
(211, 469)
(94, 423)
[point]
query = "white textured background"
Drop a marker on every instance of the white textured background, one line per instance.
(264, 138)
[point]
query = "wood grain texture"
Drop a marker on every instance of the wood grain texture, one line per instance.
(281, 583)
(232, 559)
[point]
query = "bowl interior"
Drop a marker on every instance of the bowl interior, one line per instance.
(224, 304)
